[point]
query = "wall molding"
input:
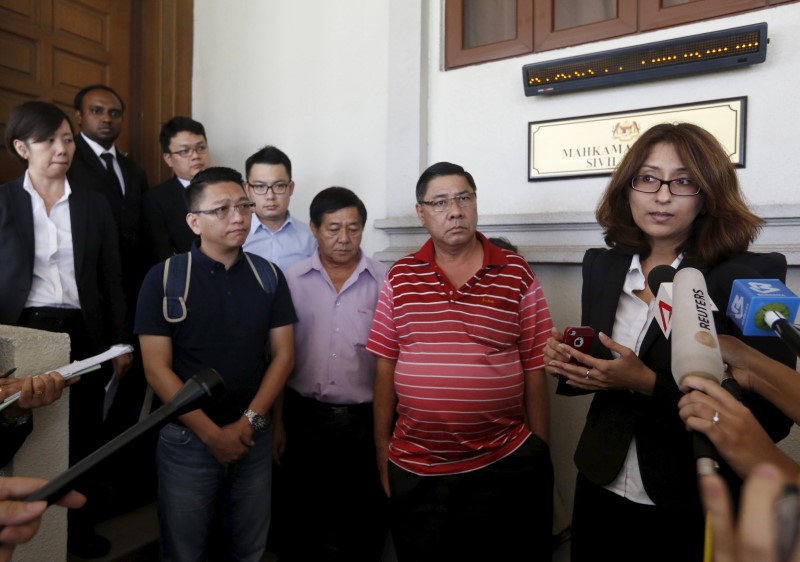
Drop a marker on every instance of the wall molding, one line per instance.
(562, 238)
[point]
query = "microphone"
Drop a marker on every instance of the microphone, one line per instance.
(695, 348)
(660, 281)
(203, 386)
(765, 307)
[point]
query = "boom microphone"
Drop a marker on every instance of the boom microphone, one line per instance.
(695, 347)
(204, 385)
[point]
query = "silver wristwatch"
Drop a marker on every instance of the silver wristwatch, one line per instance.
(257, 421)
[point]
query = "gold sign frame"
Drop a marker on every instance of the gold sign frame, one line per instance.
(593, 145)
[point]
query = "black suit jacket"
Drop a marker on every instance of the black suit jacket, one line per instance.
(164, 214)
(88, 172)
(664, 446)
(96, 254)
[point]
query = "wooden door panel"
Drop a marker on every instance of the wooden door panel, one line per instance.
(50, 49)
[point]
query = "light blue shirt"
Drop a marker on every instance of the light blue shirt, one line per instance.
(292, 242)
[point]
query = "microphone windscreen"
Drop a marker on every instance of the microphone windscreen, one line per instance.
(658, 275)
(695, 346)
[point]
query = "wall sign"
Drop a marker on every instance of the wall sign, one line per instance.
(593, 145)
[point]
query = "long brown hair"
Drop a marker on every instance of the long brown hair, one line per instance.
(724, 228)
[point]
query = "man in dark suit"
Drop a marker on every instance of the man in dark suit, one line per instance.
(99, 166)
(185, 150)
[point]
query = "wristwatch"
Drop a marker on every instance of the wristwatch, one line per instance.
(257, 421)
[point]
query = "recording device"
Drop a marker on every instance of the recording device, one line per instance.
(205, 385)
(765, 307)
(579, 337)
(695, 347)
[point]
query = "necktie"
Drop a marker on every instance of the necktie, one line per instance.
(108, 158)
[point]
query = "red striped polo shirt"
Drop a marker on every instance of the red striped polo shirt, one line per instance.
(460, 354)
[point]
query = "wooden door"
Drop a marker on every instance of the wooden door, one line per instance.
(50, 49)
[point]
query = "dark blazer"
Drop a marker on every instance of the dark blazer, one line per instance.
(88, 172)
(664, 446)
(97, 264)
(164, 219)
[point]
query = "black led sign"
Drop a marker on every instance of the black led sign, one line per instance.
(695, 54)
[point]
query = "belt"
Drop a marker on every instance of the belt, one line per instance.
(51, 312)
(325, 408)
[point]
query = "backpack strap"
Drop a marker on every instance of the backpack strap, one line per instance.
(176, 287)
(265, 273)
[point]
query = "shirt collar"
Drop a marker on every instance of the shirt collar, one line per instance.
(255, 224)
(492, 255)
(185, 184)
(363, 265)
(207, 262)
(97, 149)
(27, 185)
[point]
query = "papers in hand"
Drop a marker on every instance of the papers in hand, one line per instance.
(81, 367)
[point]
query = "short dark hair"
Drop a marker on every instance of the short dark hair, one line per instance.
(332, 199)
(210, 176)
(438, 170)
(78, 102)
(724, 228)
(33, 121)
(504, 243)
(269, 155)
(176, 125)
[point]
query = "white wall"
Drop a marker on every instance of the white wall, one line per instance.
(307, 76)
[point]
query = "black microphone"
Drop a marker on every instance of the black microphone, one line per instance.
(203, 386)
(695, 348)
(660, 281)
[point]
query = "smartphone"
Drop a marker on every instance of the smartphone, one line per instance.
(579, 337)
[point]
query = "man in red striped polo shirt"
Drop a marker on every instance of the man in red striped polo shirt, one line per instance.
(461, 407)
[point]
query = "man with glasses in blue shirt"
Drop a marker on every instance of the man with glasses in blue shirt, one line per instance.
(218, 458)
(276, 235)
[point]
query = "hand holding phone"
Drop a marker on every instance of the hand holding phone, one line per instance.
(579, 337)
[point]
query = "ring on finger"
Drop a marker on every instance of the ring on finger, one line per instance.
(715, 419)
(587, 374)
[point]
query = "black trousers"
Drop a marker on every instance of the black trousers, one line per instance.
(334, 505)
(606, 526)
(501, 512)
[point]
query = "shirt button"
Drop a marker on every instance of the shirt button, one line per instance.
(333, 355)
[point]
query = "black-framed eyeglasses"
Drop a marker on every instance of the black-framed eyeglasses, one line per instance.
(278, 188)
(683, 187)
(98, 111)
(440, 205)
(201, 148)
(224, 212)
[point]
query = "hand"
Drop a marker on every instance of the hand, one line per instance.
(382, 454)
(553, 353)
(231, 442)
(625, 372)
(121, 364)
(19, 519)
(754, 537)
(278, 440)
(35, 392)
(737, 434)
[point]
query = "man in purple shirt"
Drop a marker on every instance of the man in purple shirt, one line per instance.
(337, 510)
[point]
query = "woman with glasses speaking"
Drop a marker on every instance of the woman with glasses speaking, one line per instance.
(673, 200)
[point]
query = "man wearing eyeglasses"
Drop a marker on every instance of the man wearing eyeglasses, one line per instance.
(276, 236)
(185, 150)
(219, 457)
(461, 406)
